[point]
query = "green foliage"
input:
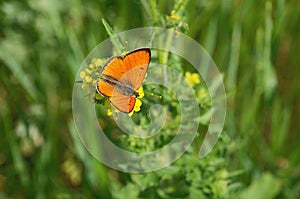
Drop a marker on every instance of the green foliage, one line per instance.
(254, 45)
(188, 177)
(266, 182)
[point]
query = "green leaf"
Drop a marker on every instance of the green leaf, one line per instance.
(145, 180)
(115, 40)
(266, 187)
(169, 171)
(19, 72)
(129, 191)
(196, 193)
(205, 117)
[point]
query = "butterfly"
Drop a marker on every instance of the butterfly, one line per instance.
(122, 76)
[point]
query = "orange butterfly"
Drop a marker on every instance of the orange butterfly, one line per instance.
(122, 76)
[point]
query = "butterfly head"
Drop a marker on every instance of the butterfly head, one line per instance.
(135, 94)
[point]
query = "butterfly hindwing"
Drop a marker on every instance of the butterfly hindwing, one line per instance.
(104, 88)
(122, 102)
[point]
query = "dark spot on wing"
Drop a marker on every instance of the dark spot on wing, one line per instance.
(142, 68)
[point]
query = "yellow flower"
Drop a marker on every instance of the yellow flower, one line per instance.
(137, 107)
(87, 71)
(97, 62)
(141, 92)
(202, 93)
(82, 74)
(174, 16)
(192, 78)
(88, 78)
(109, 112)
(91, 66)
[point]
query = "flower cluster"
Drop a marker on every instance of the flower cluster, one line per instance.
(193, 79)
(175, 20)
(89, 77)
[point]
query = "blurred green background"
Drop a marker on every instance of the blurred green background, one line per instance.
(255, 45)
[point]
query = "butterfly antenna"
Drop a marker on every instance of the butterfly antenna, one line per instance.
(78, 81)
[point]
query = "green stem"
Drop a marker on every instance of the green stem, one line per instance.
(153, 6)
(116, 41)
(167, 46)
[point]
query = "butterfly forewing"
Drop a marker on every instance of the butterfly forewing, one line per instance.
(114, 68)
(137, 63)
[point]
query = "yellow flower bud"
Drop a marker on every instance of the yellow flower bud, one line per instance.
(88, 78)
(82, 74)
(91, 66)
(174, 16)
(202, 93)
(109, 112)
(88, 71)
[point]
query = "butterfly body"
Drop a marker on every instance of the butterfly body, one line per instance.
(124, 88)
(122, 76)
